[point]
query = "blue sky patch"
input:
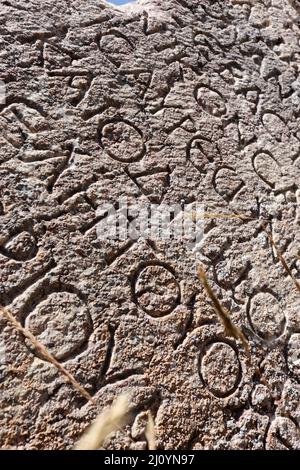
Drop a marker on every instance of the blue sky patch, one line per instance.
(120, 2)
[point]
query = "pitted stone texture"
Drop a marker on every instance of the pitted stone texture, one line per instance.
(156, 290)
(61, 323)
(122, 141)
(266, 315)
(220, 369)
(171, 102)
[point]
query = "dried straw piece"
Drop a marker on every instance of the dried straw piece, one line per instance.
(108, 421)
(150, 432)
(45, 353)
(230, 328)
(283, 261)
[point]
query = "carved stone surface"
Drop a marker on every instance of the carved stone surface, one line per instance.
(165, 102)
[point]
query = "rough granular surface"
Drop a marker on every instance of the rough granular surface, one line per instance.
(165, 102)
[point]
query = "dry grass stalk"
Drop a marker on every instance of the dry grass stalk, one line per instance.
(45, 353)
(150, 432)
(213, 215)
(110, 420)
(223, 314)
(283, 261)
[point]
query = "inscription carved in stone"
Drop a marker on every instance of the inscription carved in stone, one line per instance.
(159, 105)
